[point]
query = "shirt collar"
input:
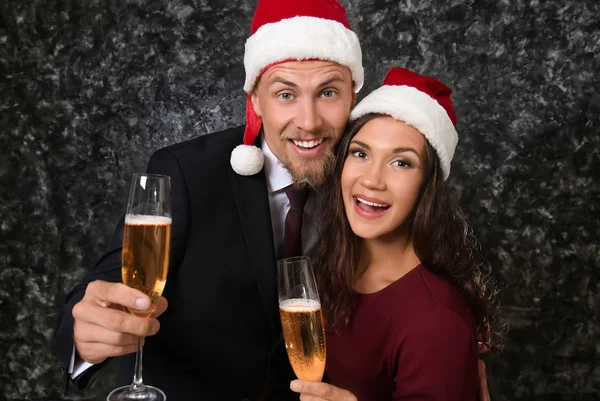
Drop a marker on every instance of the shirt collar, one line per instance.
(278, 177)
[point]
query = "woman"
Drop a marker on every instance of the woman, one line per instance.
(404, 295)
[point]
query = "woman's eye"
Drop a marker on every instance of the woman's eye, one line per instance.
(359, 153)
(402, 163)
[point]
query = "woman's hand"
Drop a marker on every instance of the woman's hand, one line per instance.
(311, 391)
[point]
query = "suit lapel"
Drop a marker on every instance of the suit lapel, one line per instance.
(252, 201)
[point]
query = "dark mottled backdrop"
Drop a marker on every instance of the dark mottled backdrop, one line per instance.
(89, 88)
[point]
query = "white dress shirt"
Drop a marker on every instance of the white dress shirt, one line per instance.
(278, 178)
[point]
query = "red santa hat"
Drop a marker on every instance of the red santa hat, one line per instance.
(419, 101)
(286, 30)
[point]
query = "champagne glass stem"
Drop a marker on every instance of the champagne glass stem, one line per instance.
(138, 381)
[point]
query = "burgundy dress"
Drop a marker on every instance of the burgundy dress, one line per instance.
(413, 340)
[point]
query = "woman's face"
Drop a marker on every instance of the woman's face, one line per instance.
(382, 176)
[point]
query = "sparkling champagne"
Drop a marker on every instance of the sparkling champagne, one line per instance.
(145, 258)
(304, 335)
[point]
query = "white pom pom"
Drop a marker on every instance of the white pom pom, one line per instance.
(247, 160)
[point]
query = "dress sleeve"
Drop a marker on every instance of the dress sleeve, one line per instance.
(435, 359)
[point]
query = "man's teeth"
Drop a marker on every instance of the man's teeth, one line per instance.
(307, 144)
(361, 200)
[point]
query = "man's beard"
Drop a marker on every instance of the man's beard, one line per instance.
(312, 171)
(307, 170)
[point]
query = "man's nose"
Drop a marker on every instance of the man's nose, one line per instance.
(308, 117)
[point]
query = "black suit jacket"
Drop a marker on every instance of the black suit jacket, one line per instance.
(221, 334)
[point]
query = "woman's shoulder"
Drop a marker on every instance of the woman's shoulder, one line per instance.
(441, 296)
(419, 294)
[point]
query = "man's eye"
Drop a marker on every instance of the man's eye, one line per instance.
(329, 93)
(285, 96)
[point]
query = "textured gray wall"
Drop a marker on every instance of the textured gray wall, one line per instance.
(89, 88)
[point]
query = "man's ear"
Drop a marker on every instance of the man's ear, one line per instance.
(255, 103)
(353, 99)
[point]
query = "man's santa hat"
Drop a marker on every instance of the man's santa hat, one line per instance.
(419, 101)
(292, 30)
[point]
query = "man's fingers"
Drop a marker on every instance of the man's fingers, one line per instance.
(95, 353)
(482, 348)
(484, 393)
(116, 320)
(88, 333)
(124, 322)
(161, 307)
(105, 293)
(104, 328)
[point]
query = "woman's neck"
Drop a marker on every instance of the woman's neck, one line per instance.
(384, 261)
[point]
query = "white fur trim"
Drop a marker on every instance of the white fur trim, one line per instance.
(303, 38)
(247, 160)
(417, 109)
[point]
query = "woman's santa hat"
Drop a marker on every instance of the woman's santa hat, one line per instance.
(292, 30)
(419, 101)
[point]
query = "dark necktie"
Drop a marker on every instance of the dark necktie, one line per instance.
(292, 235)
(292, 244)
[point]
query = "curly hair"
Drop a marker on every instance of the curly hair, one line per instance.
(442, 239)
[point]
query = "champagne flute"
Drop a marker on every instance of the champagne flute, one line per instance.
(145, 261)
(301, 318)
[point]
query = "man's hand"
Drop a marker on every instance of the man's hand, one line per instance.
(484, 392)
(311, 391)
(104, 328)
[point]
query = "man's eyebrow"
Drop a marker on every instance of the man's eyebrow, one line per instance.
(280, 80)
(328, 81)
(332, 79)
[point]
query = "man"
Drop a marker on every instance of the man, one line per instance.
(220, 337)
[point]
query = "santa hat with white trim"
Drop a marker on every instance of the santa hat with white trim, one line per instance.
(292, 30)
(419, 101)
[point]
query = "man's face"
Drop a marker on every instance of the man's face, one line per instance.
(304, 106)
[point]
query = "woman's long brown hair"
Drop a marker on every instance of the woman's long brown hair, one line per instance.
(442, 239)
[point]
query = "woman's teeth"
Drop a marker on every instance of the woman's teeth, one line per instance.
(371, 203)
